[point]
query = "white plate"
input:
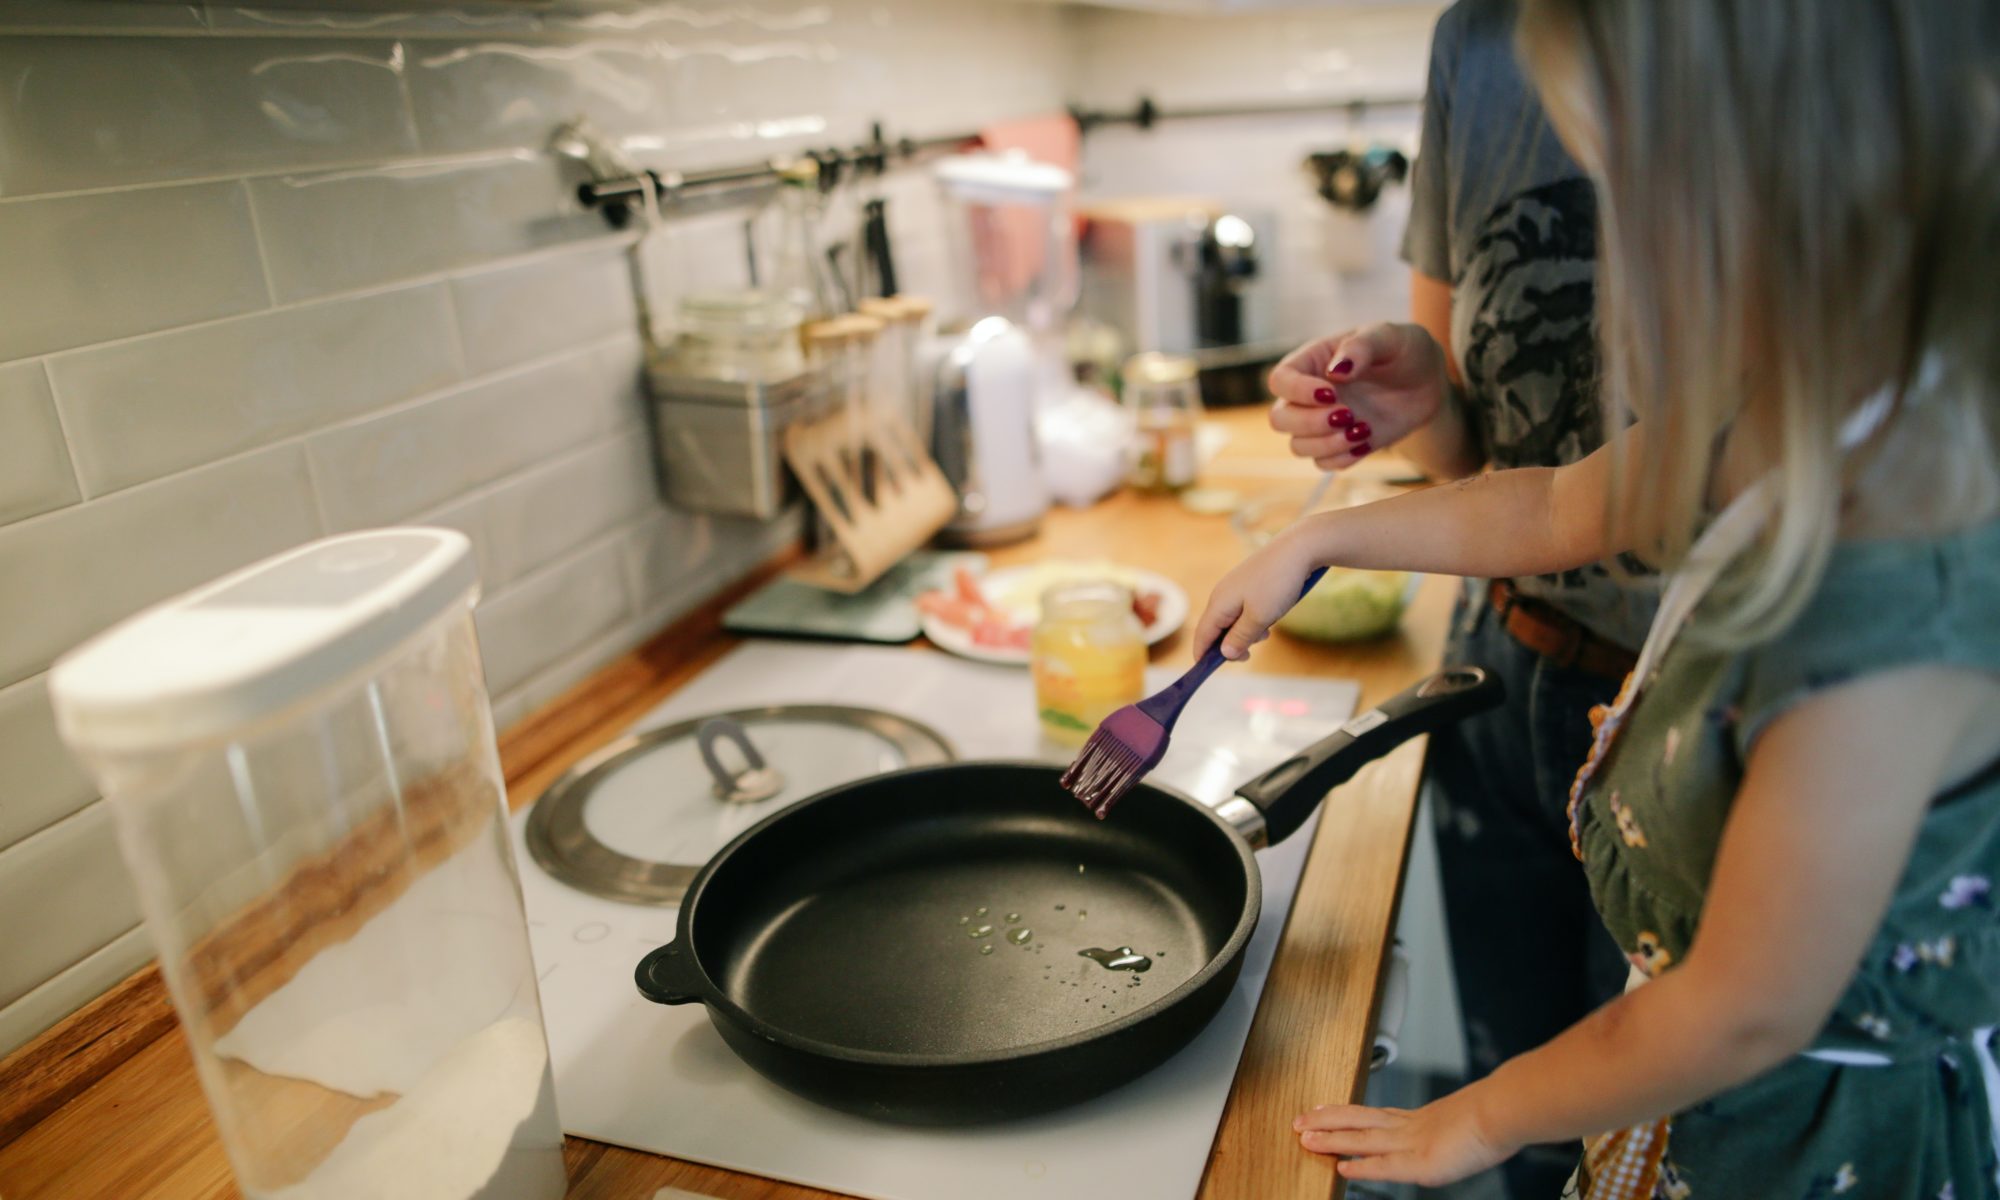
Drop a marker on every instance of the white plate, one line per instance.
(1173, 610)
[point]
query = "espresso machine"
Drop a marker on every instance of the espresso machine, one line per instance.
(1187, 276)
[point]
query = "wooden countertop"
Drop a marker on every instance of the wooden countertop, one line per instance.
(107, 1103)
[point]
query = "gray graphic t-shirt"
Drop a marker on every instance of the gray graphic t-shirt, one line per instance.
(1498, 210)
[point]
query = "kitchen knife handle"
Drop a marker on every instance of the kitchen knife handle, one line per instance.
(1287, 793)
(667, 976)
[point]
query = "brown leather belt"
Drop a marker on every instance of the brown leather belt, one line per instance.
(1557, 636)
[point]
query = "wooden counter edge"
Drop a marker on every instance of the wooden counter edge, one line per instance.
(1314, 1031)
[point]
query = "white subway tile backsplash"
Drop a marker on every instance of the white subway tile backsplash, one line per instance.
(72, 572)
(44, 781)
(65, 892)
(559, 677)
(143, 408)
(383, 469)
(72, 988)
(308, 17)
(518, 313)
(89, 268)
(337, 231)
(552, 510)
(496, 94)
(677, 559)
(620, 366)
(35, 472)
(298, 265)
(548, 616)
(87, 112)
(126, 16)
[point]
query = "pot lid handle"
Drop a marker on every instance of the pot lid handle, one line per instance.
(756, 781)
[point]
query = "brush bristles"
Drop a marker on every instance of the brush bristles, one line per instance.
(1104, 770)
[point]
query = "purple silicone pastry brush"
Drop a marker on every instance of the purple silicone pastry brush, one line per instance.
(1131, 742)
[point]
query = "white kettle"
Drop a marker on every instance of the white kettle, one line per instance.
(983, 433)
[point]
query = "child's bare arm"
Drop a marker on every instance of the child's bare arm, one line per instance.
(1822, 826)
(1499, 525)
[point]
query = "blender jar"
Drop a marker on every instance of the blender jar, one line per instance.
(300, 761)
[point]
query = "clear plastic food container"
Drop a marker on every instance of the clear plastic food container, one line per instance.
(301, 764)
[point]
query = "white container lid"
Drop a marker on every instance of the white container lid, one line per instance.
(258, 642)
(1011, 178)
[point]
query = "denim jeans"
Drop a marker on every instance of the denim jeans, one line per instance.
(1528, 951)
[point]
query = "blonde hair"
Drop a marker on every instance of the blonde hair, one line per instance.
(1800, 208)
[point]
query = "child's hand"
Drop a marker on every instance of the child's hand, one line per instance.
(1440, 1143)
(1254, 594)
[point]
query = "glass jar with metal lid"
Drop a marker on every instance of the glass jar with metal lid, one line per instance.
(738, 337)
(1163, 393)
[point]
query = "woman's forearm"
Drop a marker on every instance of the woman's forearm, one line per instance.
(1446, 447)
(1498, 525)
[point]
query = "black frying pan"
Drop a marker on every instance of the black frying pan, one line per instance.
(838, 944)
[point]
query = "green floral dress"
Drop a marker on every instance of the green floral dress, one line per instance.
(1895, 1099)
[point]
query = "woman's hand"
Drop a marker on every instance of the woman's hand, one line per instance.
(1255, 593)
(1345, 395)
(1440, 1143)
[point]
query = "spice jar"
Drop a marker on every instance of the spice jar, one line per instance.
(1089, 658)
(1164, 396)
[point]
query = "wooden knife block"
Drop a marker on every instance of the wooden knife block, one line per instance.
(911, 498)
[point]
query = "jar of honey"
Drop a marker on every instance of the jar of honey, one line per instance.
(1089, 658)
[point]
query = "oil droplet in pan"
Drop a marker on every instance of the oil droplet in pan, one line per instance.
(979, 912)
(986, 949)
(965, 920)
(979, 931)
(1121, 959)
(1020, 937)
(1013, 917)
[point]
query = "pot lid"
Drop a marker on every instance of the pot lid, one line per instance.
(637, 820)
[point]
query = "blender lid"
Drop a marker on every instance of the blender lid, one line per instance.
(636, 821)
(1002, 178)
(259, 642)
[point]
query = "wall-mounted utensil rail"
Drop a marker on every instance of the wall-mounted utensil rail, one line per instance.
(619, 198)
(1146, 113)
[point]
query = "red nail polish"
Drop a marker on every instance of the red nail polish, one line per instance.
(1340, 418)
(1360, 451)
(1358, 432)
(1343, 366)
(1323, 395)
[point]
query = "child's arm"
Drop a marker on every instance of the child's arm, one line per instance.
(1822, 826)
(1505, 524)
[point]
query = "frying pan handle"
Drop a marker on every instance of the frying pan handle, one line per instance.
(1287, 793)
(666, 976)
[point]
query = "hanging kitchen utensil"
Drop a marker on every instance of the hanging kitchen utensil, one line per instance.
(1353, 179)
(636, 820)
(907, 947)
(880, 258)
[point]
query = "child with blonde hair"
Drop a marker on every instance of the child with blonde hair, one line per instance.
(1790, 819)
